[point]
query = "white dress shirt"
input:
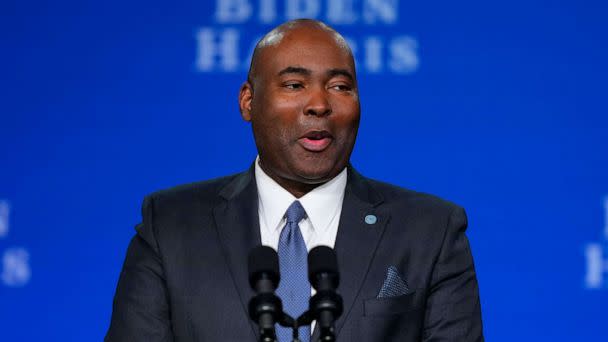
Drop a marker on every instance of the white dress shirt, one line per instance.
(323, 206)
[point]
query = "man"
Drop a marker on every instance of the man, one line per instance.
(407, 272)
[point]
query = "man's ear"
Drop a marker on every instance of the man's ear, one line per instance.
(245, 97)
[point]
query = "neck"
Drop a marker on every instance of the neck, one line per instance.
(297, 189)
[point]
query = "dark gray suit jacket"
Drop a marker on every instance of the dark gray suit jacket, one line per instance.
(185, 273)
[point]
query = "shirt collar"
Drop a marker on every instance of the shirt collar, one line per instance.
(321, 204)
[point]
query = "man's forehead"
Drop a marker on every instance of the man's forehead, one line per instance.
(306, 27)
(306, 49)
(299, 43)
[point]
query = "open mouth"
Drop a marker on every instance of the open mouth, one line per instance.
(316, 141)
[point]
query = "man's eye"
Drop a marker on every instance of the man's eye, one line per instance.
(293, 85)
(341, 87)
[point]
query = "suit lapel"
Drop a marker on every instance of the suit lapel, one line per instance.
(357, 240)
(236, 218)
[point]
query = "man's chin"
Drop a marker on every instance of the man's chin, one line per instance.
(316, 176)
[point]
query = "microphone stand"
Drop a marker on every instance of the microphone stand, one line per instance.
(270, 305)
(326, 306)
(295, 332)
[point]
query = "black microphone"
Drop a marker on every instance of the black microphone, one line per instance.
(264, 276)
(326, 305)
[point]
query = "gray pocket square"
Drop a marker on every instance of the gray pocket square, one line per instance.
(393, 285)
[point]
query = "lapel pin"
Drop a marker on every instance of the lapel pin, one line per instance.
(371, 219)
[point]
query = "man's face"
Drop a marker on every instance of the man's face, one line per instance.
(304, 108)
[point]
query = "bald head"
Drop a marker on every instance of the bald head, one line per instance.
(281, 32)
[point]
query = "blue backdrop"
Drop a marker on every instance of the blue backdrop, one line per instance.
(498, 106)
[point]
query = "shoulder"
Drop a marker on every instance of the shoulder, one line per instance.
(396, 196)
(204, 191)
(417, 211)
(166, 213)
(186, 200)
(430, 219)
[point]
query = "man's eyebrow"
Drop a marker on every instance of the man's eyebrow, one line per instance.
(340, 72)
(295, 70)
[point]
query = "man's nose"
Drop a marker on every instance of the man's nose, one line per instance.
(318, 103)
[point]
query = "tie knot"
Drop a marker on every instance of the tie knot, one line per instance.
(295, 213)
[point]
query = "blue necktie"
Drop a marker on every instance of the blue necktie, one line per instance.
(294, 288)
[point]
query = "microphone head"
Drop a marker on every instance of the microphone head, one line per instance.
(322, 260)
(263, 263)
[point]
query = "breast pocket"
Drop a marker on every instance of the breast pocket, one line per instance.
(391, 319)
(390, 306)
